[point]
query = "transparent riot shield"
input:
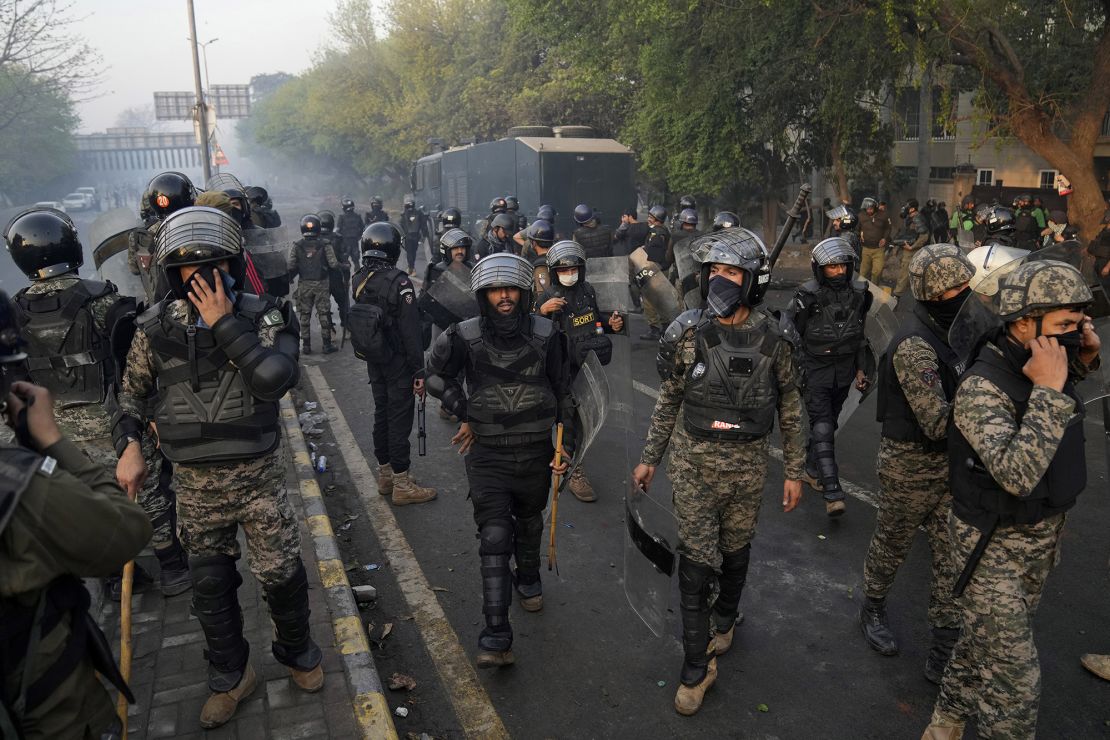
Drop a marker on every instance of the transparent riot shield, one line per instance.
(449, 300)
(650, 559)
(609, 277)
(591, 398)
(880, 327)
(654, 286)
(111, 234)
(224, 181)
(992, 263)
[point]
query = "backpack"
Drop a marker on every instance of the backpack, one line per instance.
(366, 322)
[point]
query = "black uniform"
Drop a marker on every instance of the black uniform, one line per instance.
(339, 278)
(414, 228)
(628, 237)
(596, 240)
(376, 215)
(380, 284)
(1027, 232)
(833, 348)
(518, 388)
(349, 226)
(489, 244)
(581, 322)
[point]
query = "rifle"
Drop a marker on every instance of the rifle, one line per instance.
(421, 426)
(792, 217)
(555, 481)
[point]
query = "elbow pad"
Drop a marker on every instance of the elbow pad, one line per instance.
(268, 372)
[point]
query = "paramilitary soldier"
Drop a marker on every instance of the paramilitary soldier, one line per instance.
(165, 193)
(215, 360)
(67, 323)
(829, 313)
(498, 238)
(596, 238)
(570, 301)
(62, 517)
(1017, 461)
(311, 257)
(727, 369)
(917, 379)
(517, 389)
(397, 372)
(376, 215)
(414, 227)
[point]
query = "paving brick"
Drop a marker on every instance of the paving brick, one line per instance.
(162, 722)
(189, 638)
(181, 678)
(300, 730)
(251, 727)
(171, 696)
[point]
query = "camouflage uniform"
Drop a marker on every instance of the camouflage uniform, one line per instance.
(213, 500)
(89, 427)
(915, 489)
(313, 293)
(920, 231)
(141, 244)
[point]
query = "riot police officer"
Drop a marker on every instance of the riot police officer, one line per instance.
(506, 353)
(917, 379)
(686, 231)
(214, 360)
(241, 207)
(512, 205)
(263, 214)
(376, 215)
(51, 648)
(657, 245)
(998, 226)
(829, 313)
(571, 303)
(684, 203)
(596, 238)
(727, 370)
(396, 373)
(498, 238)
(1028, 223)
(413, 228)
(962, 224)
(457, 249)
(339, 279)
(311, 257)
(496, 206)
(917, 236)
(166, 193)
(1018, 463)
(68, 323)
(350, 226)
(874, 237)
(725, 220)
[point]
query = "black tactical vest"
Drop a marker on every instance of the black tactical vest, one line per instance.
(1026, 230)
(976, 498)
(66, 351)
(349, 226)
(312, 264)
(205, 411)
(892, 409)
(510, 400)
(834, 326)
(597, 240)
(410, 223)
(580, 321)
(731, 391)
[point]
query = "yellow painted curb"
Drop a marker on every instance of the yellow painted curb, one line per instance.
(320, 526)
(332, 574)
(350, 638)
(373, 716)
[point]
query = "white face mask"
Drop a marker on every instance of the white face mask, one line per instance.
(567, 279)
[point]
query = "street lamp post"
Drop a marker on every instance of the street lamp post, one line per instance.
(204, 52)
(202, 107)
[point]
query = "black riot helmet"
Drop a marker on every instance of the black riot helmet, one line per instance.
(348, 205)
(376, 203)
(502, 270)
(832, 251)
(512, 205)
(541, 232)
(849, 221)
(450, 218)
(583, 214)
(546, 213)
(453, 239)
(310, 225)
(408, 202)
(725, 220)
(327, 222)
(257, 195)
(687, 201)
(169, 192)
(380, 241)
(241, 205)
(740, 248)
(659, 213)
(498, 205)
(199, 236)
(999, 220)
(506, 221)
(688, 217)
(43, 243)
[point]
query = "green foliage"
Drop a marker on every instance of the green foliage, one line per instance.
(36, 136)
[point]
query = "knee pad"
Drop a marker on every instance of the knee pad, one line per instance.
(693, 583)
(214, 579)
(495, 538)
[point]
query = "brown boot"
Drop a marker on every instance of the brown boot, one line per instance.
(688, 699)
(834, 508)
(406, 492)
(943, 727)
(385, 479)
(1097, 664)
(580, 486)
(495, 659)
(221, 706)
(722, 641)
(308, 681)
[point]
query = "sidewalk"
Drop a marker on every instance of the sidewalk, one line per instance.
(169, 672)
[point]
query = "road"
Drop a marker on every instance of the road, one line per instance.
(588, 667)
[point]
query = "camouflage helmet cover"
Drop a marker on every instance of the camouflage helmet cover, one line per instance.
(937, 268)
(1040, 286)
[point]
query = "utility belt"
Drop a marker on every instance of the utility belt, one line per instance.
(513, 440)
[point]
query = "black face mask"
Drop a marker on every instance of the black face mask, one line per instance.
(840, 282)
(945, 312)
(1071, 342)
(724, 296)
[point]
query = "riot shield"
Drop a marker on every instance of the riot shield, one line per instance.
(880, 328)
(224, 181)
(449, 300)
(993, 262)
(110, 234)
(591, 397)
(269, 249)
(610, 280)
(650, 559)
(687, 259)
(654, 286)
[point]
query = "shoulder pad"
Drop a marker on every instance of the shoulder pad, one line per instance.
(151, 315)
(685, 320)
(471, 329)
(542, 326)
(809, 286)
(779, 324)
(97, 288)
(253, 306)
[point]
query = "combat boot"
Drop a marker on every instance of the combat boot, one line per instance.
(306, 346)
(1097, 664)
(688, 699)
(174, 573)
(329, 348)
(385, 479)
(943, 727)
(876, 630)
(530, 589)
(581, 488)
(406, 492)
(944, 639)
(221, 706)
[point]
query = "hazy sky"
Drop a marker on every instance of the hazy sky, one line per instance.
(144, 46)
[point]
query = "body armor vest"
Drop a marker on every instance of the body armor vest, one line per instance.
(510, 400)
(410, 223)
(205, 411)
(66, 352)
(597, 241)
(834, 327)
(892, 409)
(1026, 230)
(312, 264)
(976, 498)
(731, 392)
(580, 321)
(349, 225)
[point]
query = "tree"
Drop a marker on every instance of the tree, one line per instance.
(41, 147)
(139, 116)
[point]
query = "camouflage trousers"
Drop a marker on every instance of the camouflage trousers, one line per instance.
(213, 501)
(914, 494)
(156, 495)
(994, 676)
(314, 294)
(718, 487)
